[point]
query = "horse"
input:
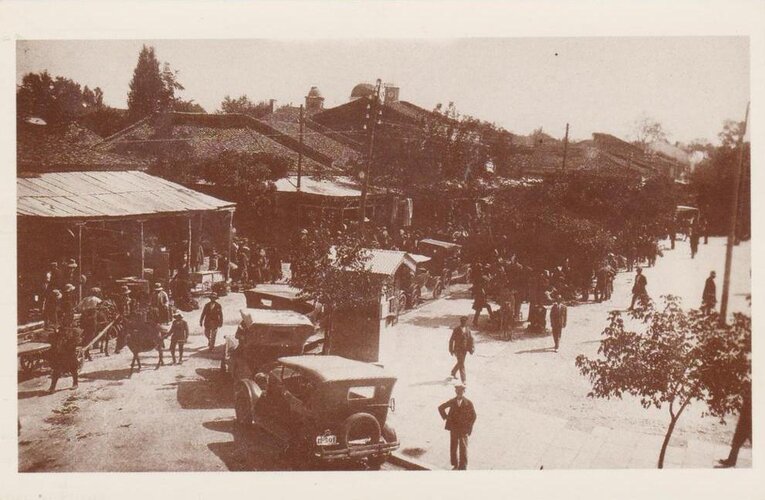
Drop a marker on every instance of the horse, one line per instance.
(141, 336)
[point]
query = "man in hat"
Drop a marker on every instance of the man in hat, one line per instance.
(161, 302)
(459, 418)
(639, 290)
(63, 355)
(709, 296)
(211, 319)
(52, 309)
(68, 302)
(558, 316)
(179, 334)
(460, 343)
(124, 306)
(88, 307)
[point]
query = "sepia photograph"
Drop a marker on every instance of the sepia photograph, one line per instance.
(360, 254)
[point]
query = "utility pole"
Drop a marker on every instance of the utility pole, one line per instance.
(300, 150)
(733, 220)
(373, 118)
(565, 148)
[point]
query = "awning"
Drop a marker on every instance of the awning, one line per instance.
(102, 195)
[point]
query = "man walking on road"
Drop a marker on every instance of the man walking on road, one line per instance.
(743, 430)
(211, 319)
(558, 316)
(639, 289)
(63, 355)
(459, 422)
(709, 297)
(460, 343)
(179, 334)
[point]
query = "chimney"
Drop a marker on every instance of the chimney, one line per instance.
(271, 103)
(391, 93)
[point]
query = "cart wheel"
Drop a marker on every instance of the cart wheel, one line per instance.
(438, 290)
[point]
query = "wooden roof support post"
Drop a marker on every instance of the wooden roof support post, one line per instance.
(227, 271)
(143, 265)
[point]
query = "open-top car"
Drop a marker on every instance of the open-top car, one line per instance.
(445, 256)
(263, 336)
(322, 408)
(427, 282)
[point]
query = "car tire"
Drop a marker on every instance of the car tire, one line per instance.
(376, 462)
(357, 420)
(389, 434)
(244, 402)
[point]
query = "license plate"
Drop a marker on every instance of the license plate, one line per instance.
(328, 440)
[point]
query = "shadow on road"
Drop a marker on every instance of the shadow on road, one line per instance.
(248, 450)
(118, 374)
(447, 320)
(32, 394)
(210, 393)
(541, 350)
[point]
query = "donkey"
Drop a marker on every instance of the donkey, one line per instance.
(141, 336)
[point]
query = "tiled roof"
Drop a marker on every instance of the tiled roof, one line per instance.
(67, 147)
(286, 120)
(106, 194)
(205, 136)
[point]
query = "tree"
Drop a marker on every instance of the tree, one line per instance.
(712, 182)
(648, 130)
(248, 179)
(679, 357)
(243, 105)
(151, 90)
(55, 100)
(332, 269)
(187, 106)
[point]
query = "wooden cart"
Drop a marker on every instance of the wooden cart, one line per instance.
(33, 355)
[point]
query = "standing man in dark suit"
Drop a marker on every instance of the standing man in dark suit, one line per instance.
(709, 296)
(459, 422)
(558, 316)
(460, 343)
(211, 319)
(639, 290)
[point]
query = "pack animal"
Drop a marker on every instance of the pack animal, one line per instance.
(140, 336)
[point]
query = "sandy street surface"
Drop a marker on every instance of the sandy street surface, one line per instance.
(531, 402)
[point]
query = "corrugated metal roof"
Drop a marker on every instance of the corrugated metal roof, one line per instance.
(387, 262)
(339, 186)
(105, 194)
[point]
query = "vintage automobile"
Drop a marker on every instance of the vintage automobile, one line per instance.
(322, 408)
(427, 282)
(263, 336)
(277, 296)
(444, 256)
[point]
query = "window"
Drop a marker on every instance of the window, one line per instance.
(361, 392)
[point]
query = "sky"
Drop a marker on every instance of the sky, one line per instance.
(688, 84)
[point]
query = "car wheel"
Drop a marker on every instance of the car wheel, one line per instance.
(376, 462)
(243, 403)
(359, 425)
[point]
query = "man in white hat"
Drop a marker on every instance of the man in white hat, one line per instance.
(211, 319)
(161, 302)
(459, 418)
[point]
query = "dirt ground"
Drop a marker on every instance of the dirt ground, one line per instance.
(532, 403)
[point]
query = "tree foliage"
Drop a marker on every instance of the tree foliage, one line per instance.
(712, 182)
(676, 358)
(151, 89)
(55, 100)
(243, 105)
(648, 130)
(332, 268)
